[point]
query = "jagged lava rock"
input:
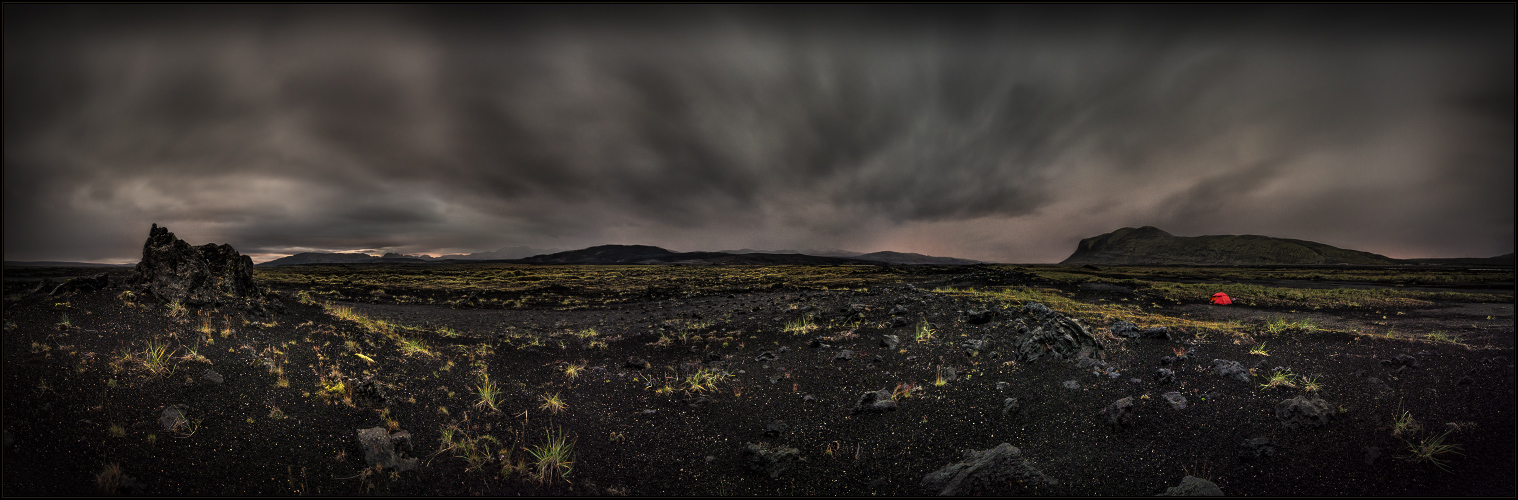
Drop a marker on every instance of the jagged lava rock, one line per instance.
(209, 274)
(997, 471)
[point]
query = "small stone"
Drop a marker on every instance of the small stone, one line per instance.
(1176, 400)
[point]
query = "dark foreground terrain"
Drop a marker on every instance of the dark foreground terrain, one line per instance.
(659, 380)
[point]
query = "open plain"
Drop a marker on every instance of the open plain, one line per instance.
(499, 379)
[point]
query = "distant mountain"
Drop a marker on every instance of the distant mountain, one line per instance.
(1498, 261)
(826, 252)
(504, 253)
(1149, 245)
(914, 258)
(333, 258)
(887, 257)
(644, 254)
(50, 263)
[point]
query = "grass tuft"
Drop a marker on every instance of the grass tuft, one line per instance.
(552, 458)
(156, 357)
(489, 394)
(800, 326)
(109, 480)
(1432, 449)
(924, 331)
(573, 371)
(553, 403)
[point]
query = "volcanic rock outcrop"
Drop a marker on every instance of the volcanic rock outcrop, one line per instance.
(1040, 333)
(210, 274)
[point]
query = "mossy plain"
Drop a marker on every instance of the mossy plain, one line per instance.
(435, 334)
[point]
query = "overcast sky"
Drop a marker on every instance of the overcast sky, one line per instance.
(996, 132)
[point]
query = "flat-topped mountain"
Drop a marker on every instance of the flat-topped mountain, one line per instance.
(1149, 245)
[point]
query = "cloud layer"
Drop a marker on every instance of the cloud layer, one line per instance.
(1001, 133)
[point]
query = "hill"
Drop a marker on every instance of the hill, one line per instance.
(644, 254)
(338, 258)
(1149, 245)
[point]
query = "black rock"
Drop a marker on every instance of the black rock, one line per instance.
(386, 449)
(209, 274)
(1301, 410)
(998, 471)
(762, 457)
(1011, 406)
(979, 317)
(85, 284)
(876, 401)
(1260, 447)
(1124, 329)
(1117, 414)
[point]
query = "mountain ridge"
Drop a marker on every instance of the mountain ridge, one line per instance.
(1149, 245)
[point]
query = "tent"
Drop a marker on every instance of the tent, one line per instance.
(1221, 299)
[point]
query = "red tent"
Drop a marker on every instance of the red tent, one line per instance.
(1221, 298)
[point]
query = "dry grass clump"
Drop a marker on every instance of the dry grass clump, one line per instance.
(109, 480)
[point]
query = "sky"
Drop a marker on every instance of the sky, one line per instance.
(1003, 133)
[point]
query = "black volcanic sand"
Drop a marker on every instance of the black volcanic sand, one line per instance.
(58, 405)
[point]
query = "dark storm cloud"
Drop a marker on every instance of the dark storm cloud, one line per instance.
(994, 132)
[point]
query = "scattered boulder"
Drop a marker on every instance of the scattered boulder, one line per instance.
(899, 310)
(876, 401)
(1255, 448)
(212, 377)
(1398, 361)
(370, 393)
(1175, 399)
(1117, 414)
(84, 284)
(774, 428)
(637, 363)
(1301, 410)
(980, 316)
(889, 341)
(172, 419)
(1124, 329)
(1227, 368)
(1192, 486)
(761, 457)
(1157, 332)
(974, 346)
(899, 321)
(767, 356)
(1164, 375)
(210, 274)
(381, 447)
(1071, 384)
(844, 355)
(1040, 333)
(1011, 406)
(997, 471)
